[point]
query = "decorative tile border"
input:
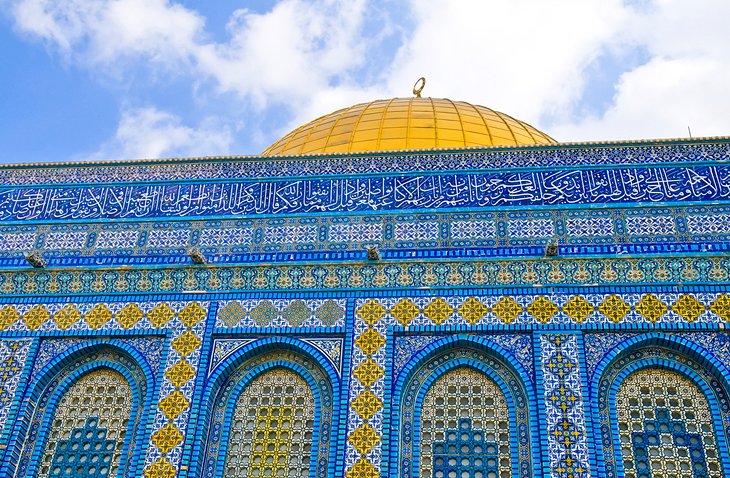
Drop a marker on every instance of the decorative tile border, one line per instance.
(281, 313)
(566, 432)
(445, 191)
(332, 348)
(85, 317)
(151, 348)
(246, 167)
(599, 344)
(578, 231)
(380, 275)
(13, 354)
(169, 428)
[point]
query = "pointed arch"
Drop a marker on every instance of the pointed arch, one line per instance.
(232, 395)
(637, 403)
(486, 368)
(60, 415)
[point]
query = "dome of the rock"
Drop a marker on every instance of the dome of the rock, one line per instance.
(526, 309)
(405, 124)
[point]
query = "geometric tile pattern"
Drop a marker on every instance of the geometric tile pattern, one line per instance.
(85, 316)
(560, 359)
(496, 388)
(173, 407)
(584, 155)
(94, 458)
(13, 353)
(665, 426)
(290, 234)
(659, 395)
(355, 232)
(66, 240)
(650, 225)
(640, 226)
(411, 231)
(186, 325)
(709, 224)
(17, 241)
(364, 431)
(589, 227)
(295, 406)
(474, 219)
(281, 313)
(331, 348)
(271, 433)
(380, 275)
(175, 238)
(473, 230)
(225, 237)
(407, 346)
(557, 308)
(100, 392)
(223, 348)
(467, 408)
(531, 228)
(475, 458)
(373, 317)
(89, 424)
(117, 239)
(566, 428)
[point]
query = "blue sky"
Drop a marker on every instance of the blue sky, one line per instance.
(126, 79)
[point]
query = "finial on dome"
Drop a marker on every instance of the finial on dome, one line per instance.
(418, 86)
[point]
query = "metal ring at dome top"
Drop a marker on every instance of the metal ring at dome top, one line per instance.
(418, 89)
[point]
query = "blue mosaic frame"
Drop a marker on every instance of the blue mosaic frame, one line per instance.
(50, 388)
(699, 366)
(523, 418)
(250, 361)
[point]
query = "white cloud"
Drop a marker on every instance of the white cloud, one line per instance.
(102, 32)
(150, 133)
(684, 83)
(297, 48)
(526, 58)
(661, 99)
(285, 58)
(289, 53)
(532, 59)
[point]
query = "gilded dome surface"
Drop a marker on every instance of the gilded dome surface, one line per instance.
(407, 123)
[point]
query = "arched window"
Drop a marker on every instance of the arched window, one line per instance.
(89, 427)
(84, 417)
(465, 428)
(661, 414)
(463, 413)
(272, 428)
(665, 426)
(271, 416)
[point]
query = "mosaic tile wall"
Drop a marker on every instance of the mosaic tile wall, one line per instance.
(673, 207)
(387, 337)
(462, 309)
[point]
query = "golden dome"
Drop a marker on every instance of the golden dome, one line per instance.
(407, 123)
